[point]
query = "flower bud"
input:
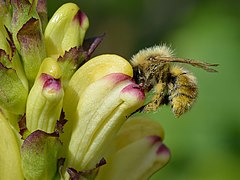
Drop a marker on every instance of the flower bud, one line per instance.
(45, 99)
(66, 29)
(50, 66)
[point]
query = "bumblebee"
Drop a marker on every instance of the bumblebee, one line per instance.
(171, 84)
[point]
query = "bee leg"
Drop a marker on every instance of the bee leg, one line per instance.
(157, 98)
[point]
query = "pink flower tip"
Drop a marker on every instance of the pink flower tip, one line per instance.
(50, 82)
(135, 91)
(80, 17)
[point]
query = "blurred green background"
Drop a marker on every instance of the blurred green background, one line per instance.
(205, 143)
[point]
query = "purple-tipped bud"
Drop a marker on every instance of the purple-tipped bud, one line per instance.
(65, 30)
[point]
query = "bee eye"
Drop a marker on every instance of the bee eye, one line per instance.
(173, 79)
(140, 72)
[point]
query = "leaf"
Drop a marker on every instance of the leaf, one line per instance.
(13, 94)
(32, 48)
(39, 154)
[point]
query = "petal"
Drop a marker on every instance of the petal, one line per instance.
(102, 109)
(91, 71)
(65, 30)
(45, 99)
(136, 128)
(139, 160)
(137, 152)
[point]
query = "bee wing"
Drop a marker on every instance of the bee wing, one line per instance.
(199, 64)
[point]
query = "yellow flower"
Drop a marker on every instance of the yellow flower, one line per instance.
(72, 111)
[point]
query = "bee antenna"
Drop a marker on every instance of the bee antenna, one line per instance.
(195, 63)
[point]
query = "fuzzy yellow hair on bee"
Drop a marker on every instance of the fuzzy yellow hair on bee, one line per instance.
(162, 51)
(171, 84)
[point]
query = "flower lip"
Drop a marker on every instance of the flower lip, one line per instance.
(50, 82)
(80, 16)
(117, 77)
(155, 139)
(162, 149)
(135, 90)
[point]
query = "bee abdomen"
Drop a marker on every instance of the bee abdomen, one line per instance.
(182, 90)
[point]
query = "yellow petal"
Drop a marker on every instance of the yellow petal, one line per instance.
(91, 71)
(102, 109)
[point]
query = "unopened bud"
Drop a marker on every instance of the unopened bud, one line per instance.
(45, 99)
(65, 30)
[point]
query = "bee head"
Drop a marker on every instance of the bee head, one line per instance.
(150, 55)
